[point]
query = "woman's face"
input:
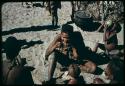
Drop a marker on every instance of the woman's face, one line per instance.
(64, 37)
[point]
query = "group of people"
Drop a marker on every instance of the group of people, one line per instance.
(63, 53)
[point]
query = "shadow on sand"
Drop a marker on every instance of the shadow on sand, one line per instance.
(32, 28)
(95, 25)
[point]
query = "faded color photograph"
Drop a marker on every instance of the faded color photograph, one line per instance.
(62, 42)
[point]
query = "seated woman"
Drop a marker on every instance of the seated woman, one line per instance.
(61, 50)
(109, 37)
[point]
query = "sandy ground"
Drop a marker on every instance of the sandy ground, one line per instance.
(18, 21)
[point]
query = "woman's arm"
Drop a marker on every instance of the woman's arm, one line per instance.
(104, 36)
(113, 28)
(52, 46)
(100, 27)
(110, 36)
(75, 54)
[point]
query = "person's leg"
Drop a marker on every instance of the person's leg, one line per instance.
(73, 10)
(102, 46)
(53, 16)
(62, 60)
(52, 65)
(52, 20)
(43, 3)
(78, 5)
(56, 18)
(98, 45)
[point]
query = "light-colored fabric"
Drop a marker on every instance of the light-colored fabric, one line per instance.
(65, 76)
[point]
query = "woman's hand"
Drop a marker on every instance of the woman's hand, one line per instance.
(57, 45)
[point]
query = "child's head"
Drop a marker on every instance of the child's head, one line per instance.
(74, 70)
(114, 70)
(12, 47)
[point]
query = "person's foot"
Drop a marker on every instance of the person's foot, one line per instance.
(55, 26)
(45, 82)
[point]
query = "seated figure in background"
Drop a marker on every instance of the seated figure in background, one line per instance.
(109, 37)
(72, 76)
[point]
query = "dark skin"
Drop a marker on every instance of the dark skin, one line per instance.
(108, 37)
(106, 31)
(60, 39)
(72, 73)
(98, 81)
(108, 34)
(63, 37)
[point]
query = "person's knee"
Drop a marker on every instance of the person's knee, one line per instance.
(52, 56)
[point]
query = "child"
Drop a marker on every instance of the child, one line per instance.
(72, 76)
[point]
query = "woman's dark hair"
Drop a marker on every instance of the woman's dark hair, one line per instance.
(67, 28)
(117, 69)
